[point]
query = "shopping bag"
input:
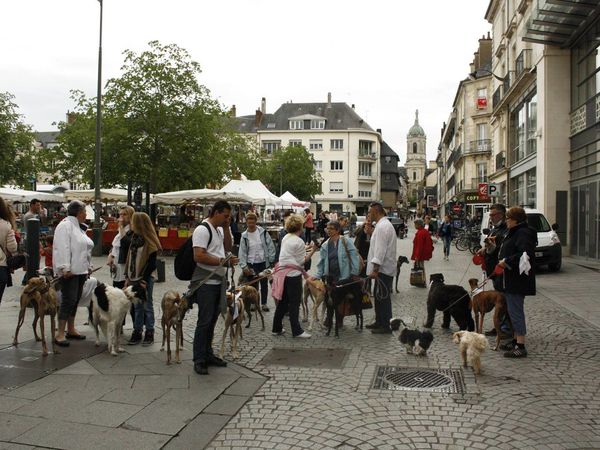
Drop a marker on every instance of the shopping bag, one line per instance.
(417, 277)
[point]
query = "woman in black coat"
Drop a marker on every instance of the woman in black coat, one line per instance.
(517, 283)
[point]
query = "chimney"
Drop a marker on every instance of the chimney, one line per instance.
(352, 105)
(263, 105)
(380, 133)
(329, 99)
(258, 118)
(71, 116)
(232, 111)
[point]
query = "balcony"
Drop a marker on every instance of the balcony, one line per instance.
(368, 177)
(366, 155)
(514, 80)
(497, 97)
(480, 146)
(500, 161)
(522, 63)
(470, 185)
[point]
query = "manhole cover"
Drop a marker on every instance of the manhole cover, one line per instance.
(413, 379)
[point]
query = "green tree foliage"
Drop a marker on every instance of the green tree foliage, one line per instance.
(159, 126)
(297, 173)
(17, 154)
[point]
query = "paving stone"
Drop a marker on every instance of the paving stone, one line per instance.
(141, 396)
(226, 405)
(11, 425)
(245, 386)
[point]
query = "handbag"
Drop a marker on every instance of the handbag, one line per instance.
(16, 261)
(417, 276)
(361, 262)
(366, 301)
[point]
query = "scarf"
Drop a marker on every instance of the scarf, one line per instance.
(137, 257)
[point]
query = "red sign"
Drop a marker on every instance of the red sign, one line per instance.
(481, 103)
(483, 191)
(456, 208)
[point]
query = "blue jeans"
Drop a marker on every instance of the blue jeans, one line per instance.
(515, 304)
(264, 283)
(144, 311)
(383, 301)
(447, 241)
(207, 299)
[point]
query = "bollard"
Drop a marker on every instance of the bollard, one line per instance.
(32, 247)
(160, 270)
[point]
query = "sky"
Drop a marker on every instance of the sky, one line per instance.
(388, 57)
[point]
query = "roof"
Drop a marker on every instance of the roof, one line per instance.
(416, 130)
(338, 116)
(46, 137)
(386, 150)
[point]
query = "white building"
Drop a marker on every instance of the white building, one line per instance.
(345, 148)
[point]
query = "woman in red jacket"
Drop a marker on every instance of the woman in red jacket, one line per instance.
(422, 245)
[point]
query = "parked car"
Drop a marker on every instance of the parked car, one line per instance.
(549, 249)
(398, 223)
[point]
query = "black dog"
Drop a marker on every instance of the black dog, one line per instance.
(343, 298)
(416, 342)
(401, 260)
(453, 300)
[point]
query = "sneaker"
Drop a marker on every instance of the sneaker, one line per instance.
(372, 326)
(265, 308)
(507, 346)
(136, 338)
(201, 368)
(148, 338)
(216, 361)
(304, 335)
(516, 352)
(278, 333)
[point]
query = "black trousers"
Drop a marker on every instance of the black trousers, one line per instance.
(71, 289)
(290, 302)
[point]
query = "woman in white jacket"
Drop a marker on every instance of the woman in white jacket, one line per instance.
(72, 262)
(8, 243)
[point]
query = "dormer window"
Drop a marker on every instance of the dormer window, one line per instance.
(296, 125)
(317, 124)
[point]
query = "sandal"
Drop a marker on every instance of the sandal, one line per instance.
(64, 343)
(77, 337)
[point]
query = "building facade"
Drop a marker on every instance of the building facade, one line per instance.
(390, 178)
(416, 161)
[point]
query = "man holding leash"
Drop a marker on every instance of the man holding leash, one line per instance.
(210, 241)
(381, 266)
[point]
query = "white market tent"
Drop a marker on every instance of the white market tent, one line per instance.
(291, 198)
(203, 196)
(106, 195)
(256, 190)
(23, 196)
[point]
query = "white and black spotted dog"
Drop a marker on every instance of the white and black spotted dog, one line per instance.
(417, 342)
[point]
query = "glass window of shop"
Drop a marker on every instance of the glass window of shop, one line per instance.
(523, 189)
(585, 69)
(523, 130)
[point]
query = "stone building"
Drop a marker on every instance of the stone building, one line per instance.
(416, 161)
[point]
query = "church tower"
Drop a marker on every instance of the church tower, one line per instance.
(416, 159)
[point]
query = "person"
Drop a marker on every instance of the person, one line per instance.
(281, 234)
(445, 233)
(333, 216)
(287, 278)
(46, 252)
(8, 243)
(210, 240)
(362, 241)
(35, 209)
(322, 225)
(343, 221)
(338, 262)
(422, 245)
(72, 262)
(120, 249)
(353, 220)
(426, 222)
(515, 267)
(309, 225)
(381, 266)
(139, 266)
(257, 253)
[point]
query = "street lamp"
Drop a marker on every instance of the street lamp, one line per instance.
(97, 205)
(280, 170)
(473, 75)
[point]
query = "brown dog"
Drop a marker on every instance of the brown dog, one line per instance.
(41, 295)
(315, 290)
(173, 311)
(483, 302)
(250, 298)
(233, 317)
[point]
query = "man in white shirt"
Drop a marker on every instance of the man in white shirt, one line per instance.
(211, 239)
(381, 265)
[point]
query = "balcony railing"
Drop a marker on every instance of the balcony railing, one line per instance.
(363, 154)
(509, 79)
(523, 62)
(500, 161)
(497, 97)
(480, 146)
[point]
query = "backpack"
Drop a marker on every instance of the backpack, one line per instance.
(184, 264)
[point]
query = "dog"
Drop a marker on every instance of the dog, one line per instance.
(316, 290)
(173, 312)
(416, 342)
(342, 300)
(471, 346)
(483, 302)
(252, 301)
(110, 308)
(452, 300)
(41, 295)
(233, 318)
(401, 260)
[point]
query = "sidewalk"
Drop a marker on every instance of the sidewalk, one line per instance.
(320, 393)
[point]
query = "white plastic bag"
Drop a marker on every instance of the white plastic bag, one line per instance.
(524, 265)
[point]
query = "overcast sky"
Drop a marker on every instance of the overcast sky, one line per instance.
(388, 57)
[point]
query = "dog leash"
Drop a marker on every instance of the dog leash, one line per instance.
(190, 292)
(479, 286)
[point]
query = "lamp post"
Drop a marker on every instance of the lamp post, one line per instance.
(280, 170)
(97, 205)
(473, 75)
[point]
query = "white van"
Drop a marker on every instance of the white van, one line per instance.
(549, 250)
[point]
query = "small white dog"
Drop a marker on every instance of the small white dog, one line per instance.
(109, 310)
(471, 346)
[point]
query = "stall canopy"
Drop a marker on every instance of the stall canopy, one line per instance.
(291, 198)
(23, 196)
(203, 196)
(106, 195)
(256, 190)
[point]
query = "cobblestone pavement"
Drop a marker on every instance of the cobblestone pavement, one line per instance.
(549, 400)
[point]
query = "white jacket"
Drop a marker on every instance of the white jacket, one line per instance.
(72, 249)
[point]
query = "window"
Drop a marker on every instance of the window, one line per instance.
(296, 125)
(337, 144)
(414, 147)
(317, 124)
(336, 186)
(482, 93)
(481, 131)
(295, 143)
(481, 172)
(388, 159)
(365, 148)
(318, 165)
(364, 169)
(364, 193)
(316, 144)
(524, 189)
(271, 146)
(414, 176)
(336, 166)
(523, 130)
(482, 98)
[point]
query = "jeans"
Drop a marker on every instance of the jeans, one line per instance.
(447, 241)
(207, 299)
(5, 280)
(383, 301)
(308, 235)
(290, 302)
(515, 304)
(144, 311)
(264, 283)
(70, 289)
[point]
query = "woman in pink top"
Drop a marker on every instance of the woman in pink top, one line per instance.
(308, 225)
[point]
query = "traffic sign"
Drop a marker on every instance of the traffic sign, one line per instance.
(493, 190)
(483, 191)
(456, 208)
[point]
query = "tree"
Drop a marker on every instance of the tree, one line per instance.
(159, 126)
(297, 173)
(17, 155)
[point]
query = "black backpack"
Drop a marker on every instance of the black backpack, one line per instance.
(184, 264)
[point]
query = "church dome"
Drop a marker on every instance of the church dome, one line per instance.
(416, 130)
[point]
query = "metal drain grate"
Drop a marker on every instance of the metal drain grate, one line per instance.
(422, 380)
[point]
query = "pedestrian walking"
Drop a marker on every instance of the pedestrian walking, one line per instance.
(257, 253)
(445, 233)
(8, 244)
(381, 266)
(210, 240)
(515, 266)
(308, 225)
